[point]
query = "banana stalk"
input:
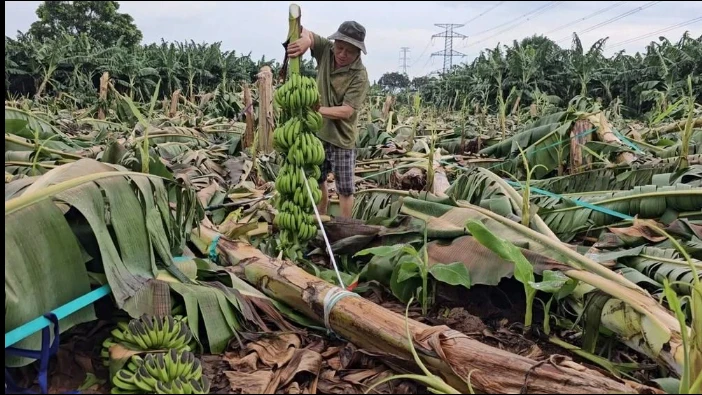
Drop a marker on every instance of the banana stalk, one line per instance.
(294, 15)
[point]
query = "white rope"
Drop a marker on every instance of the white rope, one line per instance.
(331, 299)
(326, 241)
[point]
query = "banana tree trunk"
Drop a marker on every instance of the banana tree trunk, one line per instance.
(266, 119)
(441, 182)
(450, 354)
(604, 133)
(673, 127)
(248, 110)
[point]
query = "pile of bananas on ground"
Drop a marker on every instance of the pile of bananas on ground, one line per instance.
(173, 372)
(303, 154)
(150, 333)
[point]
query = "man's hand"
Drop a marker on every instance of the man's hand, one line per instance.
(299, 47)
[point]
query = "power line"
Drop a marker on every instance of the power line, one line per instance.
(515, 19)
(611, 20)
(403, 59)
(631, 40)
(624, 15)
(490, 9)
(448, 53)
(543, 9)
(423, 51)
(586, 17)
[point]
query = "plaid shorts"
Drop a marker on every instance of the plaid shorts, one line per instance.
(341, 162)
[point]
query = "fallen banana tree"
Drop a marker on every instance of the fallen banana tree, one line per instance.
(650, 328)
(451, 354)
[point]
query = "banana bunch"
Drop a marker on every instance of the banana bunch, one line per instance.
(298, 93)
(303, 154)
(293, 220)
(174, 372)
(291, 182)
(297, 135)
(150, 333)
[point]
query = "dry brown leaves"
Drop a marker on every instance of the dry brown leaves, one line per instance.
(287, 363)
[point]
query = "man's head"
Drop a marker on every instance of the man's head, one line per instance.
(348, 42)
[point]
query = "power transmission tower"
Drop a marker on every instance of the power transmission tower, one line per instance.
(448, 53)
(404, 59)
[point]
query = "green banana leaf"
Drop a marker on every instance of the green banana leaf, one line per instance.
(44, 269)
(658, 264)
(620, 178)
(531, 134)
(566, 218)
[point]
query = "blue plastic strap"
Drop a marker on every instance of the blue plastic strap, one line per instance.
(62, 312)
(578, 202)
(213, 248)
(43, 355)
(627, 141)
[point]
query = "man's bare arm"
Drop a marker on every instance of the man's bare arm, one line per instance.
(353, 99)
(339, 112)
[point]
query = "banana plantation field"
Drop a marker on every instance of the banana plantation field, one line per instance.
(171, 233)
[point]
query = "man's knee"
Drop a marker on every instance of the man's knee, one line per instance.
(345, 189)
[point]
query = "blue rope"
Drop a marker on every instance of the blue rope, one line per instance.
(627, 141)
(578, 202)
(62, 312)
(213, 248)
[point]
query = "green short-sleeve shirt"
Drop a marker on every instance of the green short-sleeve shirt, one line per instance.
(346, 85)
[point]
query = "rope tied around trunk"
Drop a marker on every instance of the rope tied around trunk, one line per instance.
(330, 300)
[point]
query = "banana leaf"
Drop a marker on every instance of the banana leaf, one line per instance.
(375, 204)
(545, 151)
(531, 134)
(566, 218)
(695, 146)
(44, 269)
(622, 178)
(659, 264)
(30, 123)
(171, 134)
(130, 221)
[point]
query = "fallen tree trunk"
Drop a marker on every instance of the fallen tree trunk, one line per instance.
(676, 126)
(605, 134)
(441, 183)
(451, 354)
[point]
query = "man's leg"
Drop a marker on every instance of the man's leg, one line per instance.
(346, 203)
(323, 205)
(344, 164)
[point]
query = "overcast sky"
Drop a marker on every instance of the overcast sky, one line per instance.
(260, 27)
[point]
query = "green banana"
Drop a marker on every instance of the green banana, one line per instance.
(303, 154)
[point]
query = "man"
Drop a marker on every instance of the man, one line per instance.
(343, 84)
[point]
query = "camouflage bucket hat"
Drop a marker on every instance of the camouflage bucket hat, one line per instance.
(351, 32)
